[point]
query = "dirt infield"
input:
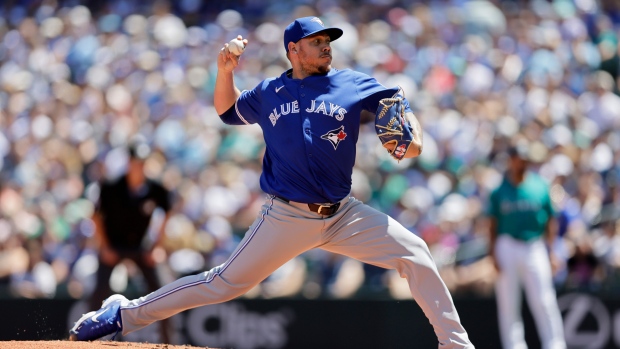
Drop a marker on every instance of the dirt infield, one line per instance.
(89, 345)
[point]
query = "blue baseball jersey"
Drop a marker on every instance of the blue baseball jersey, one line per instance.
(310, 127)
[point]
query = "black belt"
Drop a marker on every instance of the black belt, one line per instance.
(326, 210)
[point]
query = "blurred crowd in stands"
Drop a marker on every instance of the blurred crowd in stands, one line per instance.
(79, 80)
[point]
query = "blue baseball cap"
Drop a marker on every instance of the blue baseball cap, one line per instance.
(306, 26)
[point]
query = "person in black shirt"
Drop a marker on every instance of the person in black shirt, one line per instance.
(122, 218)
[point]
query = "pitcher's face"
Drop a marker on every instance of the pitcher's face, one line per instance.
(315, 53)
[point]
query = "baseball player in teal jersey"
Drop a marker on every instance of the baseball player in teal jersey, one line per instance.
(521, 213)
(310, 117)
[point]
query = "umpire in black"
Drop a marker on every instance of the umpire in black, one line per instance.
(122, 218)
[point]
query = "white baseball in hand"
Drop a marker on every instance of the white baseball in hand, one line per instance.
(236, 47)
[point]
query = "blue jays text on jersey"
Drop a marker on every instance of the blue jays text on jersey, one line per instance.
(315, 107)
(310, 127)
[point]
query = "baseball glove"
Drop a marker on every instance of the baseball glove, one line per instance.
(393, 127)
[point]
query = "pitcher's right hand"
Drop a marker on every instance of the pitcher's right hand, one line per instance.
(226, 61)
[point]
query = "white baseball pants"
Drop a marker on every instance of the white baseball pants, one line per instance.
(526, 264)
(284, 230)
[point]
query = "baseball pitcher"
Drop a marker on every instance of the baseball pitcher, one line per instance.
(310, 118)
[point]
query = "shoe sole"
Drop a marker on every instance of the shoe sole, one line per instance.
(73, 335)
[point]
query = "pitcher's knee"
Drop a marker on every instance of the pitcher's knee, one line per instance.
(417, 242)
(231, 289)
(418, 249)
(417, 266)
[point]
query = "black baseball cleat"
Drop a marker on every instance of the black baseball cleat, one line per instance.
(100, 323)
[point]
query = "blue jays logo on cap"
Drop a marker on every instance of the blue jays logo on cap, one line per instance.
(318, 20)
(306, 26)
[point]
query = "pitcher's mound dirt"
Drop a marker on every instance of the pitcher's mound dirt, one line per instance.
(89, 345)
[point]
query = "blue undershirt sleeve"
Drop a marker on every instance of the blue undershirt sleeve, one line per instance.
(230, 117)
